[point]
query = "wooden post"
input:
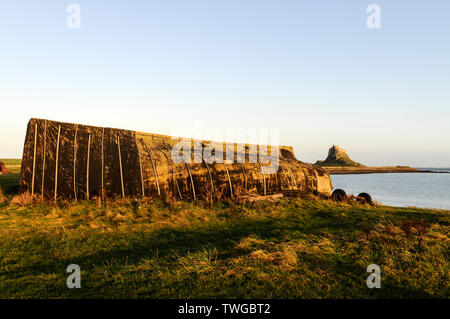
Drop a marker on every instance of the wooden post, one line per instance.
(140, 167)
(264, 176)
(210, 177)
(56, 166)
(229, 179)
(192, 181)
(43, 155)
(75, 148)
(103, 163)
(154, 167)
(176, 181)
(120, 163)
(173, 173)
(87, 167)
(34, 159)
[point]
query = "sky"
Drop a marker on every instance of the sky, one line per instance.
(311, 69)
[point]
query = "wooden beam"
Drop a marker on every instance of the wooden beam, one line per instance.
(120, 163)
(229, 179)
(192, 181)
(140, 168)
(264, 176)
(87, 167)
(154, 166)
(173, 172)
(103, 163)
(56, 166)
(75, 149)
(44, 157)
(210, 177)
(34, 159)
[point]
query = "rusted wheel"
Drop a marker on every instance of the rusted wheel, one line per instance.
(339, 195)
(366, 197)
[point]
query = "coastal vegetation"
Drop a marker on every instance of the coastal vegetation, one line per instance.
(292, 248)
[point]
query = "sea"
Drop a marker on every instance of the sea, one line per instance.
(425, 190)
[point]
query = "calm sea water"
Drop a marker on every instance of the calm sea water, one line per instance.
(427, 190)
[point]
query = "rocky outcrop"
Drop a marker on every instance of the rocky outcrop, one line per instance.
(338, 157)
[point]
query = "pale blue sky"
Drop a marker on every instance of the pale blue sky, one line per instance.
(310, 68)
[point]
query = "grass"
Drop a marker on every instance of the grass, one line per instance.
(290, 249)
(9, 183)
(293, 248)
(12, 164)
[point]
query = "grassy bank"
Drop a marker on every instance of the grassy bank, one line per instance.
(294, 248)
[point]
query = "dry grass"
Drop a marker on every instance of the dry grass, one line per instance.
(3, 198)
(284, 255)
(26, 199)
(292, 248)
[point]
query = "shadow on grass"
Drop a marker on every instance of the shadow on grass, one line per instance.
(169, 243)
(9, 183)
(166, 241)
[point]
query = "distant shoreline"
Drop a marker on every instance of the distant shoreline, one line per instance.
(333, 170)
